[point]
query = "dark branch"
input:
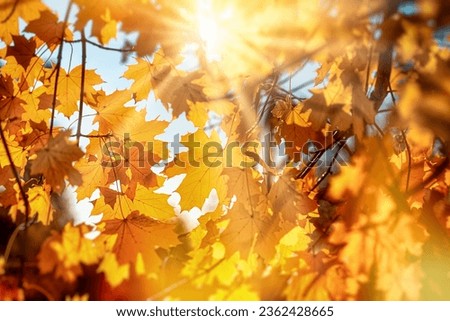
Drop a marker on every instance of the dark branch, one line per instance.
(100, 46)
(83, 75)
(58, 66)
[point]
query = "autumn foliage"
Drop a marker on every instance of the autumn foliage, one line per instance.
(303, 155)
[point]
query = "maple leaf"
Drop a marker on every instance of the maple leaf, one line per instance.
(156, 75)
(18, 153)
(140, 235)
(382, 223)
(152, 204)
(92, 173)
(48, 30)
(104, 17)
(10, 104)
(343, 105)
(114, 272)
(10, 13)
(287, 198)
(397, 272)
(181, 91)
(55, 162)
(169, 28)
(8, 197)
(39, 199)
(147, 75)
(111, 113)
(294, 127)
(250, 229)
(173, 87)
(252, 226)
(64, 253)
(35, 104)
(201, 177)
(69, 87)
(112, 204)
(127, 124)
(22, 50)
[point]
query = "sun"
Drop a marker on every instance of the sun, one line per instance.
(212, 28)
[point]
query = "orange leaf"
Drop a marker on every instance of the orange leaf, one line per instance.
(22, 50)
(202, 173)
(287, 198)
(139, 234)
(12, 10)
(48, 29)
(251, 228)
(69, 87)
(10, 104)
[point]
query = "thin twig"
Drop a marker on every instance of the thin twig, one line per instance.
(366, 86)
(408, 154)
(384, 111)
(303, 85)
(408, 149)
(439, 169)
(12, 238)
(40, 289)
(93, 136)
(58, 66)
(290, 93)
(340, 145)
(318, 154)
(83, 75)
(99, 45)
(262, 111)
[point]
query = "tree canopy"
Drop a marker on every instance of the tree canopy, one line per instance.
(259, 150)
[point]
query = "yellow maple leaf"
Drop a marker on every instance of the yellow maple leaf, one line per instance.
(93, 175)
(18, 153)
(115, 273)
(55, 162)
(10, 13)
(147, 75)
(69, 87)
(152, 204)
(63, 253)
(39, 200)
(251, 229)
(203, 170)
(36, 103)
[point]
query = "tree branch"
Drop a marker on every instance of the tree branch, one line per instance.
(58, 66)
(83, 75)
(99, 45)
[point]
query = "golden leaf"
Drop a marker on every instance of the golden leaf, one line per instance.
(55, 162)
